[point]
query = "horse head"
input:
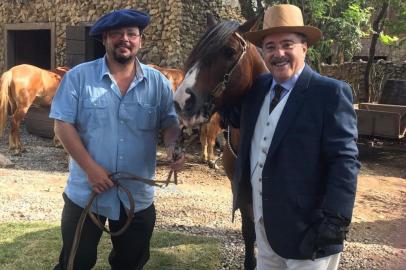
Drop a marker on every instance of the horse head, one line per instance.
(218, 72)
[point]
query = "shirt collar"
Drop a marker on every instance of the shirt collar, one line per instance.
(290, 83)
(139, 76)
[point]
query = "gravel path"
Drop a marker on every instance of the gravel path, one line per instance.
(201, 204)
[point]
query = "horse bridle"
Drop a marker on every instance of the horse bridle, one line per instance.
(221, 86)
(218, 90)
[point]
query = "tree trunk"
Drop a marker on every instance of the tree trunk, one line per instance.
(377, 27)
(247, 9)
(260, 7)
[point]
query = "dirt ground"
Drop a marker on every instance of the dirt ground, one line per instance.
(31, 190)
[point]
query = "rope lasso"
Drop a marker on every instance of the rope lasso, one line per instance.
(116, 177)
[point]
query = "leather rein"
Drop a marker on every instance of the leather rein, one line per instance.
(115, 177)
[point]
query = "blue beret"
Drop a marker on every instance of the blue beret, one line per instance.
(120, 18)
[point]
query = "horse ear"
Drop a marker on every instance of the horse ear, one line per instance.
(251, 24)
(211, 20)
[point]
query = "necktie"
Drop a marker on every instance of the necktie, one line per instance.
(278, 91)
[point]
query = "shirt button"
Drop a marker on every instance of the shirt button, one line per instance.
(121, 122)
(267, 124)
(121, 140)
(121, 157)
(260, 179)
(264, 151)
(261, 165)
(265, 138)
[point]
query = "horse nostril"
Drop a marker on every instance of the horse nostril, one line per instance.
(178, 109)
(191, 101)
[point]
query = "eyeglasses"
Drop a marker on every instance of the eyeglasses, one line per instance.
(132, 35)
(285, 46)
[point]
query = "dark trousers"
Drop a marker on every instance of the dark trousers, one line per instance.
(130, 250)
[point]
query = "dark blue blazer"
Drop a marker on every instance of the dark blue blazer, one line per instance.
(312, 163)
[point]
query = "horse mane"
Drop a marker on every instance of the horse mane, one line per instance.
(210, 43)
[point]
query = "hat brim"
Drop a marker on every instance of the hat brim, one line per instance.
(313, 34)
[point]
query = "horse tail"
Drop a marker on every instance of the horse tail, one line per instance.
(4, 99)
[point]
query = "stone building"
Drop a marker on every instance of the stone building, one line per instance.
(50, 33)
(382, 52)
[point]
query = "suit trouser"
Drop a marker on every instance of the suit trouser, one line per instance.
(130, 250)
(267, 259)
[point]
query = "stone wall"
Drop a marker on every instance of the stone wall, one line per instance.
(353, 73)
(175, 24)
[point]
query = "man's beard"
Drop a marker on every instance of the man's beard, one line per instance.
(122, 59)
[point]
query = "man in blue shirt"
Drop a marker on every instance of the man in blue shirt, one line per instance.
(108, 114)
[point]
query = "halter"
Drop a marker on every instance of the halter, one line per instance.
(208, 105)
(221, 86)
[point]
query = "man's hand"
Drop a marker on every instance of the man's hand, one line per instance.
(99, 179)
(97, 176)
(176, 157)
(331, 230)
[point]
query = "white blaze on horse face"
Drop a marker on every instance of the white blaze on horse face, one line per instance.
(188, 83)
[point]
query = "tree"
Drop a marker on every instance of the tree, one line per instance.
(389, 32)
(377, 27)
(343, 23)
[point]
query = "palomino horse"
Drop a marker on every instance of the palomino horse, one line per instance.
(209, 130)
(20, 87)
(220, 70)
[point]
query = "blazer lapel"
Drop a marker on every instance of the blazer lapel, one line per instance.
(292, 106)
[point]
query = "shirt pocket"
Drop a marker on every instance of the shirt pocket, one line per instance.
(94, 112)
(140, 116)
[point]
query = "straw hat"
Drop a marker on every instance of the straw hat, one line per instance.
(284, 19)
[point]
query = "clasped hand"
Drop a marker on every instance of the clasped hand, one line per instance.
(176, 157)
(99, 179)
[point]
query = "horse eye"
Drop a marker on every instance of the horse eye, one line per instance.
(228, 52)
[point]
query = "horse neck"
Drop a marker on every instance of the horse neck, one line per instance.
(257, 67)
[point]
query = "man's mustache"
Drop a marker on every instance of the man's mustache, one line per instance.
(277, 60)
(122, 44)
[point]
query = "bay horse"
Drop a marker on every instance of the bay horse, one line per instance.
(209, 130)
(220, 70)
(20, 87)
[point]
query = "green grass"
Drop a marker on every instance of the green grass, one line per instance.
(33, 246)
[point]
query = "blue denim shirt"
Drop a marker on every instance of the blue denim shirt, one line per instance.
(119, 132)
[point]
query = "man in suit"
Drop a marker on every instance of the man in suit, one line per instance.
(298, 155)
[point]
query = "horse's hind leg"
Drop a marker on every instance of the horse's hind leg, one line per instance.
(14, 138)
(248, 233)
